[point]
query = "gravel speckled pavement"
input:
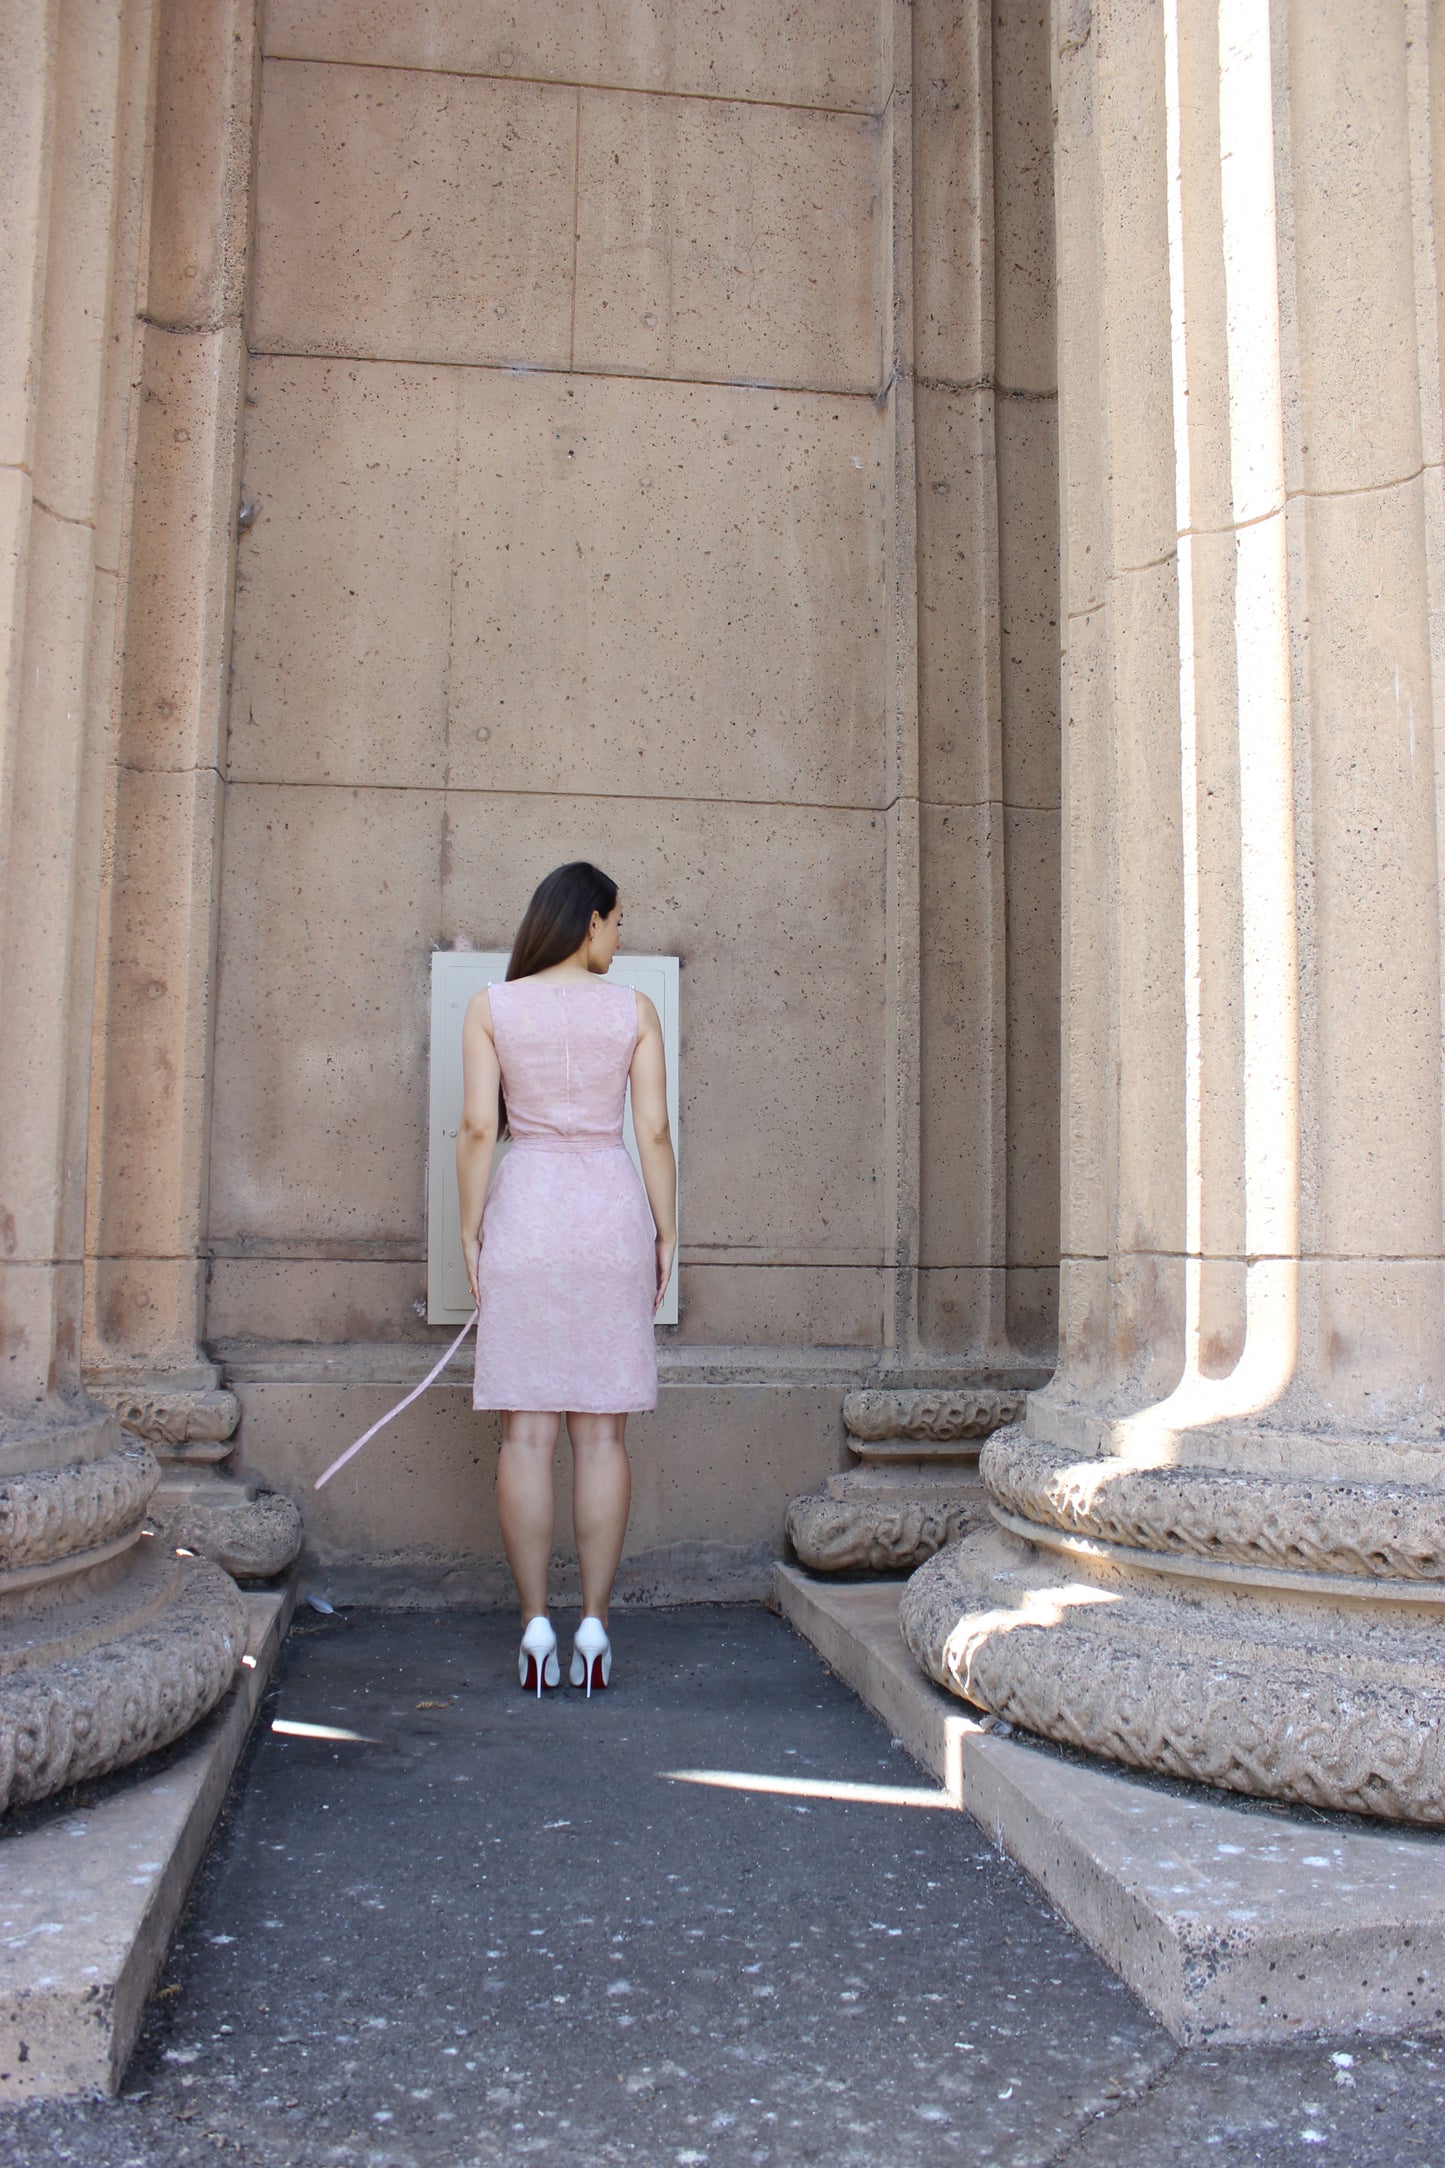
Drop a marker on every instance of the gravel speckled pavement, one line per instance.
(489, 1930)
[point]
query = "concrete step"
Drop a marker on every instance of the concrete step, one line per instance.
(1231, 1920)
(90, 1896)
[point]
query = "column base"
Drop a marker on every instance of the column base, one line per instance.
(885, 1520)
(109, 1663)
(917, 1487)
(1228, 1923)
(189, 1421)
(1317, 1699)
(253, 1535)
(186, 1416)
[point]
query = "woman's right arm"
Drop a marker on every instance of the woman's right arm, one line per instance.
(654, 1138)
(477, 1130)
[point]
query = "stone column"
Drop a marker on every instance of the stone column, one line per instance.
(110, 1644)
(979, 270)
(972, 407)
(1219, 1548)
(156, 980)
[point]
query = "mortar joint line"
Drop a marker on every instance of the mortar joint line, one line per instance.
(196, 767)
(876, 396)
(576, 224)
(1359, 489)
(1267, 1257)
(960, 386)
(559, 82)
(67, 519)
(1258, 519)
(983, 805)
(195, 327)
(444, 789)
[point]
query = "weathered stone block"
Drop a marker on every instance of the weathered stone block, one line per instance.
(798, 56)
(321, 1021)
(638, 606)
(344, 581)
(734, 241)
(481, 553)
(412, 216)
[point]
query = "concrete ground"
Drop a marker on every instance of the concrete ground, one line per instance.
(487, 1930)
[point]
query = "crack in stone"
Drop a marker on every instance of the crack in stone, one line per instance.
(1111, 2109)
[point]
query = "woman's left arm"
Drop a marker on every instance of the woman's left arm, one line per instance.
(477, 1130)
(654, 1138)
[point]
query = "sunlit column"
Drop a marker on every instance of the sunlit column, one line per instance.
(1220, 1545)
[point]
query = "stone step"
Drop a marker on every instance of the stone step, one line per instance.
(1231, 1921)
(90, 1895)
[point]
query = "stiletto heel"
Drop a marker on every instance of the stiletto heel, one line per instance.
(537, 1664)
(591, 1656)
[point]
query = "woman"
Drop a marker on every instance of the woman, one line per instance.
(566, 1264)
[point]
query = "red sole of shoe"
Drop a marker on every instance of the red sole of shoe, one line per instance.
(529, 1684)
(598, 1682)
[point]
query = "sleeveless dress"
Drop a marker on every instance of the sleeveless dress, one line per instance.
(568, 1268)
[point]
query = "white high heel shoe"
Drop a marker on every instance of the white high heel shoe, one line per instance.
(537, 1664)
(591, 1656)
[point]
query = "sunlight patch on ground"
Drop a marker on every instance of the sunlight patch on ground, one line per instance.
(871, 1795)
(291, 1729)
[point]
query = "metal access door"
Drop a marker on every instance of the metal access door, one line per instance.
(455, 976)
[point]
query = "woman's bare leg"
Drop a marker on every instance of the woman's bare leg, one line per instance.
(524, 1504)
(601, 1496)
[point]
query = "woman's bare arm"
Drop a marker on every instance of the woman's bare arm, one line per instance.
(477, 1131)
(654, 1137)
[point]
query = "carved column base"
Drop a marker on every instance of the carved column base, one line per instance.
(1287, 1688)
(251, 1534)
(127, 1662)
(189, 1421)
(916, 1486)
(187, 1417)
(885, 1520)
(110, 1645)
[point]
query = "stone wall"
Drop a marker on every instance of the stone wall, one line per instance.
(647, 454)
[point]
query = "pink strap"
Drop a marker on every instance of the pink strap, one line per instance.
(415, 1394)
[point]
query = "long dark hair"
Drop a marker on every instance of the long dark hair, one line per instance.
(555, 924)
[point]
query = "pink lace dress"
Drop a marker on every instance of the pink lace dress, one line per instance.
(568, 1269)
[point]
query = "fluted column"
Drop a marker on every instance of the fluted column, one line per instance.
(1219, 1548)
(157, 966)
(110, 1644)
